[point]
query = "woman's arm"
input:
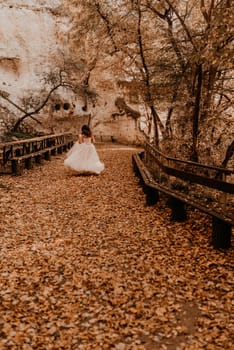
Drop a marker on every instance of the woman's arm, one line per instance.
(80, 139)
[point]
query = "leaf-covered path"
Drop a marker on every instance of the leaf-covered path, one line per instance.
(86, 265)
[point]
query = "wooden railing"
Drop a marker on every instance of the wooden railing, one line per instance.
(192, 173)
(207, 188)
(19, 154)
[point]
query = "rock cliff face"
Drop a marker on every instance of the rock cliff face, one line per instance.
(30, 49)
(27, 49)
(28, 43)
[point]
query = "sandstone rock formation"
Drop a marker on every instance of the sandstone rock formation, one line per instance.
(30, 50)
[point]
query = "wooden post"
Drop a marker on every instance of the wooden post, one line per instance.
(54, 152)
(142, 155)
(17, 167)
(221, 233)
(135, 167)
(28, 163)
(178, 210)
(152, 196)
(47, 155)
(38, 159)
(60, 149)
(223, 196)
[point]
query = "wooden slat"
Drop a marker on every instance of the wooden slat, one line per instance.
(29, 146)
(153, 151)
(199, 179)
(52, 136)
(149, 181)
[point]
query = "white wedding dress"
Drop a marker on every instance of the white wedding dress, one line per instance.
(83, 158)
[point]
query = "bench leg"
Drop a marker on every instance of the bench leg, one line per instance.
(47, 155)
(152, 196)
(38, 159)
(178, 210)
(54, 152)
(136, 170)
(17, 167)
(28, 163)
(221, 233)
(60, 150)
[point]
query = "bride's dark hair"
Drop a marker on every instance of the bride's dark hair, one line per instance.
(86, 131)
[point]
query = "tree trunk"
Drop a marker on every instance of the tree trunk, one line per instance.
(38, 109)
(211, 75)
(155, 118)
(229, 154)
(196, 111)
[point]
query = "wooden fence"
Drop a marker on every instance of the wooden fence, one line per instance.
(17, 155)
(207, 188)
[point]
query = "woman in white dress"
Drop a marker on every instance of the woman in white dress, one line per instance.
(83, 157)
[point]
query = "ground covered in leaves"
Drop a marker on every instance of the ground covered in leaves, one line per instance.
(86, 265)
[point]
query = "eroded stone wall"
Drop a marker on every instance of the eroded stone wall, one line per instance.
(30, 49)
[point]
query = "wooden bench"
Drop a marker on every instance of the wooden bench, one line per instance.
(18, 163)
(20, 154)
(222, 222)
